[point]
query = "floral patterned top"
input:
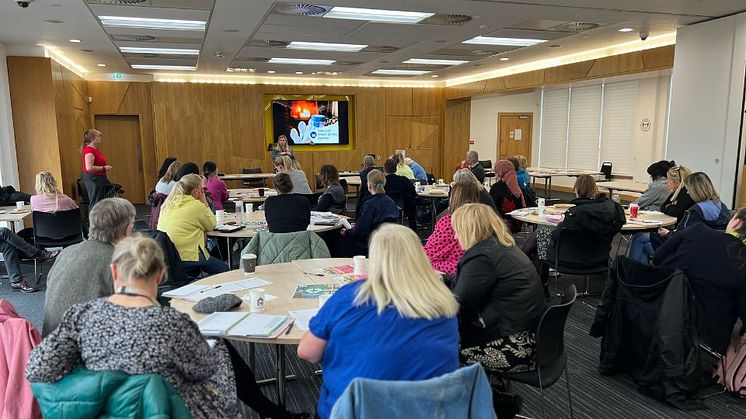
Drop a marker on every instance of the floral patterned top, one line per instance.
(101, 336)
(442, 248)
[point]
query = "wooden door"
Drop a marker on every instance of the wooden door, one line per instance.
(123, 151)
(514, 134)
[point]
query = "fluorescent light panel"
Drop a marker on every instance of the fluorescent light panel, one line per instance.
(301, 61)
(508, 42)
(427, 61)
(162, 51)
(377, 15)
(393, 72)
(163, 67)
(325, 46)
(152, 23)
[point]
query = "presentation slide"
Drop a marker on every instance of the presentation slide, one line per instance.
(311, 122)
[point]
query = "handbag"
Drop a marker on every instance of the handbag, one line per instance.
(731, 369)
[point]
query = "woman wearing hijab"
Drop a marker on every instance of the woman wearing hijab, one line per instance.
(507, 194)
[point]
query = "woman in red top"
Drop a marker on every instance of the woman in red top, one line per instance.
(94, 167)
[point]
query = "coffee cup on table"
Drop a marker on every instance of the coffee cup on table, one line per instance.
(358, 265)
(261, 191)
(249, 262)
(219, 217)
(257, 298)
(20, 205)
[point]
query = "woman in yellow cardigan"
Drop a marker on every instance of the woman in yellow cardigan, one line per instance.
(186, 217)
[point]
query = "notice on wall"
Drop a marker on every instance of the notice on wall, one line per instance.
(518, 134)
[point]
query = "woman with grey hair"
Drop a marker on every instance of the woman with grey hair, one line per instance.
(466, 176)
(81, 272)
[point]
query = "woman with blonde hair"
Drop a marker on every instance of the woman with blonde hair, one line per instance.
(113, 333)
(95, 167)
(466, 176)
(168, 180)
(402, 169)
(523, 177)
(186, 217)
(442, 248)
(282, 148)
(48, 198)
(284, 164)
(401, 321)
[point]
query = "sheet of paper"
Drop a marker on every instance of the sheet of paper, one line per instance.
(220, 322)
(518, 134)
(303, 317)
(258, 325)
(185, 290)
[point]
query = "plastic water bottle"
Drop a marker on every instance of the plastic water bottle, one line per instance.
(540, 203)
(239, 212)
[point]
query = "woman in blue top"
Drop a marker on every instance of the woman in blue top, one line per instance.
(523, 177)
(419, 172)
(399, 324)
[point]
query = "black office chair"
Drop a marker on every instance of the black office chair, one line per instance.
(430, 179)
(343, 184)
(319, 182)
(551, 358)
(606, 169)
(59, 229)
(259, 183)
(313, 198)
(486, 164)
(579, 252)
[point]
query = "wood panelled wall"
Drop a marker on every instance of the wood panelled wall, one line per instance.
(225, 123)
(456, 126)
(32, 98)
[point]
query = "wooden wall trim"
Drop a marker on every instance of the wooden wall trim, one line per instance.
(615, 65)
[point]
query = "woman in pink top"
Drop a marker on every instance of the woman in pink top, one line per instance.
(215, 185)
(48, 198)
(442, 248)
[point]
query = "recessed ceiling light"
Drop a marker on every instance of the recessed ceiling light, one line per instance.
(504, 59)
(101, 65)
(626, 30)
(75, 41)
(377, 15)
(163, 67)
(394, 72)
(163, 51)
(302, 61)
(325, 46)
(151, 23)
(271, 71)
(434, 76)
(509, 42)
(427, 61)
(298, 72)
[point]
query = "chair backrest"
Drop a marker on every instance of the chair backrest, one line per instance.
(82, 192)
(285, 247)
(343, 184)
(251, 170)
(61, 225)
(313, 198)
(550, 335)
(578, 248)
(606, 169)
(430, 179)
(319, 182)
(487, 164)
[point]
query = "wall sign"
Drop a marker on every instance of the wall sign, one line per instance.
(646, 124)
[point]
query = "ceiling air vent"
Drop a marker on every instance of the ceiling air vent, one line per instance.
(254, 59)
(574, 27)
(383, 48)
(301, 9)
(119, 2)
(134, 38)
(266, 43)
(445, 19)
(348, 62)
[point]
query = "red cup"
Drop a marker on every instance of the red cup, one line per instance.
(633, 210)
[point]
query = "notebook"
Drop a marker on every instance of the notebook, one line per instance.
(218, 323)
(196, 292)
(244, 324)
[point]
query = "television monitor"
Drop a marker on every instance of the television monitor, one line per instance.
(311, 121)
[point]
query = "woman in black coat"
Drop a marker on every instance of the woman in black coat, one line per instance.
(287, 212)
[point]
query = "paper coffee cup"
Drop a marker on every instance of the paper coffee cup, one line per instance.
(323, 298)
(250, 207)
(249, 262)
(256, 300)
(20, 204)
(359, 265)
(219, 216)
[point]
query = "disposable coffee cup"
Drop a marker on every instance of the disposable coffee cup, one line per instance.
(250, 207)
(358, 265)
(323, 298)
(20, 204)
(540, 202)
(249, 263)
(256, 300)
(261, 191)
(441, 182)
(634, 210)
(219, 217)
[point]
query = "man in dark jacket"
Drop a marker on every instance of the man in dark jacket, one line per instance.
(402, 191)
(9, 196)
(472, 160)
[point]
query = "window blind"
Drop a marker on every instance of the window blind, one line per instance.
(585, 125)
(618, 132)
(554, 128)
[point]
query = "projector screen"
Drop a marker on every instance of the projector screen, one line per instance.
(311, 122)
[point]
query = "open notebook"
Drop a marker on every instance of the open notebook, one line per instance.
(245, 324)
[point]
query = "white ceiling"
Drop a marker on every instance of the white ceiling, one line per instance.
(238, 30)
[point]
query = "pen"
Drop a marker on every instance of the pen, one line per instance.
(287, 332)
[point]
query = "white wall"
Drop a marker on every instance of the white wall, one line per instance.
(483, 124)
(707, 101)
(8, 164)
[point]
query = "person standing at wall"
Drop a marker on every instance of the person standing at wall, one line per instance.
(95, 167)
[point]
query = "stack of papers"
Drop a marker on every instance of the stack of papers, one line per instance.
(196, 292)
(244, 324)
(303, 317)
(324, 218)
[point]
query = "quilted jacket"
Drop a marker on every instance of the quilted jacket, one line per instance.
(285, 247)
(111, 394)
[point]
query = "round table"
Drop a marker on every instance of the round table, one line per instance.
(630, 227)
(434, 192)
(284, 278)
(254, 222)
(250, 195)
